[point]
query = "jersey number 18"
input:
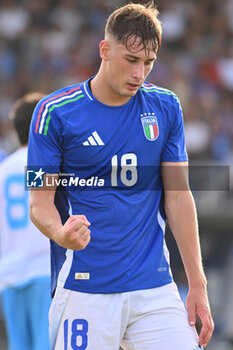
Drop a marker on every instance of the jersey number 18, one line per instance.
(128, 169)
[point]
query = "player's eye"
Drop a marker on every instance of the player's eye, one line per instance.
(149, 63)
(130, 60)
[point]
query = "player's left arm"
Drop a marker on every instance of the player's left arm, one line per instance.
(182, 218)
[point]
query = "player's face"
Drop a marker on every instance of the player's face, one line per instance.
(127, 69)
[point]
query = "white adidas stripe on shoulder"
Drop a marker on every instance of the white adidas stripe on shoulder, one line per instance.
(54, 102)
(156, 87)
(160, 90)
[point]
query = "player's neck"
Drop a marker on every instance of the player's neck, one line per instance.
(103, 92)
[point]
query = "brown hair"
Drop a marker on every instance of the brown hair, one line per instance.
(135, 20)
(21, 114)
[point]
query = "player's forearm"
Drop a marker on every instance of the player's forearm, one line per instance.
(182, 219)
(45, 216)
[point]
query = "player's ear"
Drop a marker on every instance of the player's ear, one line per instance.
(104, 50)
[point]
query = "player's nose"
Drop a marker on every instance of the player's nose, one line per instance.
(139, 72)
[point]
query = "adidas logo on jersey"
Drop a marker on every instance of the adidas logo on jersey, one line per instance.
(93, 140)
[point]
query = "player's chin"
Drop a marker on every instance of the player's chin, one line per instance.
(131, 93)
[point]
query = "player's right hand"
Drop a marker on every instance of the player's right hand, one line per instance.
(75, 233)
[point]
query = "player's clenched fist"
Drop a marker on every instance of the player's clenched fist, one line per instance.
(75, 233)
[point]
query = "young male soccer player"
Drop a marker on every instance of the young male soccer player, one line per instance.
(24, 252)
(114, 285)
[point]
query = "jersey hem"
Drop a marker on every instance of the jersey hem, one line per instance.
(181, 159)
(115, 290)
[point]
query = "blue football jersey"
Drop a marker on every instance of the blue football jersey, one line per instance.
(111, 158)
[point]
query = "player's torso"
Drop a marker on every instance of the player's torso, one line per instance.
(123, 146)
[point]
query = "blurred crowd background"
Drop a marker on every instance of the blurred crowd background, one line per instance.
(45, 45)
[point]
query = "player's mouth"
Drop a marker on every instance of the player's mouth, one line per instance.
(133, 87)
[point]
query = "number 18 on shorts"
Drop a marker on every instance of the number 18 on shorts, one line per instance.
(75, 333)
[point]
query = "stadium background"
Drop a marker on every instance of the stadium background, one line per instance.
(47, 44)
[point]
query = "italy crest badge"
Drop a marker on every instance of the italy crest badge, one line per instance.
(150, 127)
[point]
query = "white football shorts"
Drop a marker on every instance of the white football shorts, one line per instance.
(151, 319)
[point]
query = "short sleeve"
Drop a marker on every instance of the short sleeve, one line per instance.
(175, 149)
(45, 139)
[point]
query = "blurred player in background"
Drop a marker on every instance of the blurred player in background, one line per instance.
(2, 155)
(24, 252)
(114, 287)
